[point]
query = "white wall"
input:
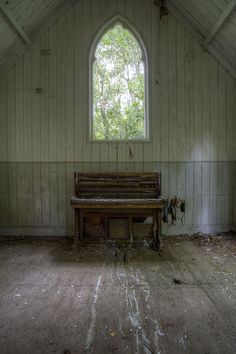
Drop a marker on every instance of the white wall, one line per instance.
(44, 137)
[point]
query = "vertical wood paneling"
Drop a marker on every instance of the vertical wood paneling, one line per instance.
(180, 93)
(172, 95)
(21, 192)
(53, 95)
(4, 198)
(164, 104)
(62, 198)
(69, 89)
(213, 109)
(44, 65)
(19, 104)
(37, 193)
(45, 193)
(205, 106)
(221, 141)
(87, 41)
(11, 115)
(54, 194)
(36, 98)
(27, 104)
(197, 125)
(189, 217)
(189, 96)
(44, 121)
(79, 89)
(154, 89)
(205, 193)
(230, 118)
(186, 117)
(28, 196)
(197, 194)
(70, 168)
(61, 89)
(13, 201)
(3, 120)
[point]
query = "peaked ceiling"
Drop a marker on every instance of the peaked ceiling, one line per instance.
(212, 22)
(19, 21)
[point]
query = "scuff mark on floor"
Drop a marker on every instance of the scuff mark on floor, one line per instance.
(91, 330)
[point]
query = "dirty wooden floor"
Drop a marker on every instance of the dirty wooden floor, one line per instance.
(109, 300)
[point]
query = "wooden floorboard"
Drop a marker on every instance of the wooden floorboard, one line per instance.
(118, 300)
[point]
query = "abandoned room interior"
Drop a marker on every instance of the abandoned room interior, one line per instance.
(117, 176)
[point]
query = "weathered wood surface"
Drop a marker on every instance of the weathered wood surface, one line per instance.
(116, 203)
(114, 300)
(120, 185)
(111, 196)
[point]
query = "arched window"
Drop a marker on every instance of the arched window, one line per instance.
(118, 86)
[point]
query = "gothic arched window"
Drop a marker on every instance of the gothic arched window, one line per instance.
(118, 86)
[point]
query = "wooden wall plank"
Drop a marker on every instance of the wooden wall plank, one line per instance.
(181, 183)
(44, 67)
(45, 193)
(37, 193)
(12, 195)
(197, 194)
(88, 37)
(21, 192)
(197, 124)
(205, 106)
(79, 89)
(19, 105)
(205, 193)
(62, 198)
(189, 215)
(172, 92)
(4, 195)
(54, 193)
(3, 120)
(230, 119)
(154, 92)
(189, 97)
(36, 102)
(53, 95)
(164, 103)
(221, 141)
(29, 195)
(214, 111)
(61, 89)
(173, 179)
(27, 104)
(70, 168)
(69, 89)
(180, 68)
(11, 115)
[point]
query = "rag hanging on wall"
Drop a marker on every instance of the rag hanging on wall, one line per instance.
(175, 208)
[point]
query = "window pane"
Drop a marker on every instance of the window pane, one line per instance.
(118, 87)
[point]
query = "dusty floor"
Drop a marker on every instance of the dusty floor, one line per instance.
(108, 300)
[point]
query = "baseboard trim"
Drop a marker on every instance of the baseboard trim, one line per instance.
(57, 231)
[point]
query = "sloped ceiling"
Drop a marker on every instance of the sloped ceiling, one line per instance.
(19, 21)
(212, 22)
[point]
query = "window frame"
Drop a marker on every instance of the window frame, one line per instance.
(118, 20)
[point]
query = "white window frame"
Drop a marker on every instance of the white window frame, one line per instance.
(118, 20)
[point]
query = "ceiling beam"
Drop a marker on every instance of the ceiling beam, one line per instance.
(225, 14)
(14, 23)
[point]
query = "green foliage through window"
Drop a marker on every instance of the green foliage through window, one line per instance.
(118, 87)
